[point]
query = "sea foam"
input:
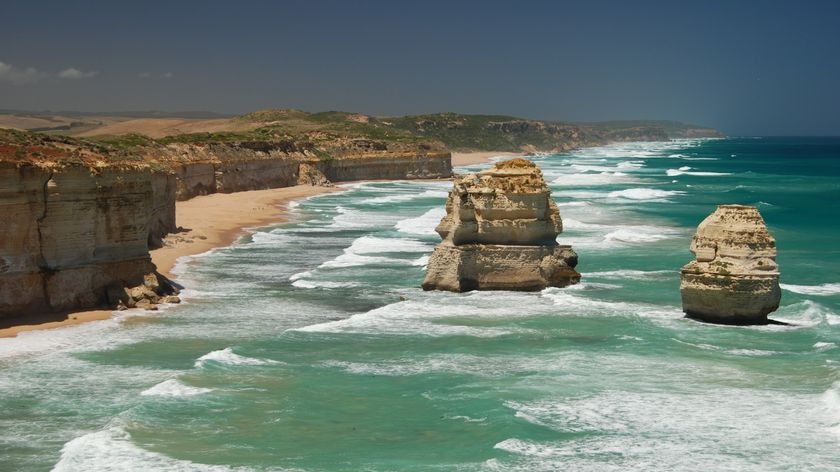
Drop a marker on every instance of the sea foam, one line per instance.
(587, 179)
(351, 259)
(806, 314)
(174, 388)
(308, 283)
(820, 290)
(686, 171)
(831, 401)
(377, 245)
(644, 194)
(424, 224)
(358, 254)
(405, 197)
(633, 274)
(228, 357)
(113, 450)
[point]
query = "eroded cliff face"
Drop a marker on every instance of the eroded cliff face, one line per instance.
(79, 218)
(396, 166)
(69, 233)
(230, 167)
(162, 218)
(227, 168)
(734, 278)
(499, 233)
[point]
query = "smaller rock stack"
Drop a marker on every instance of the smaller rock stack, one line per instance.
(735, 278)
(499, 233)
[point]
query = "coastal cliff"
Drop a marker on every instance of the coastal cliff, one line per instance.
(70, 233)
(82, 216)
(202, 169)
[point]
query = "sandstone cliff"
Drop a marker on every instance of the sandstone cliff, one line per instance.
(69, 233)
(734, 278)
(201, 169)
(499, 233)
(80, 216)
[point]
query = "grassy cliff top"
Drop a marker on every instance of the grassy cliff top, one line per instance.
(331, 134)
(462, 132)
(22, 148)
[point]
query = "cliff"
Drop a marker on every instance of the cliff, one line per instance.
(499, 233)
(70, 233)
(82, 214)
(734, 278)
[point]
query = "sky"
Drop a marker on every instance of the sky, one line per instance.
(744, 67)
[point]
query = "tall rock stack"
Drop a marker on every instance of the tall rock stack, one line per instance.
(735, 278)
(499, 233)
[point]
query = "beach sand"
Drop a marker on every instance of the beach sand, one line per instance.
(208, 221)
(218, 219)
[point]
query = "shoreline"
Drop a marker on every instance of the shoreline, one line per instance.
(479, 157)
(208, 222)
(219, 219)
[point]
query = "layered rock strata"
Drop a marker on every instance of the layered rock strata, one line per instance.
(499, 233)
(70, 233)
(734, 278)
(79, 217)
(227, 168)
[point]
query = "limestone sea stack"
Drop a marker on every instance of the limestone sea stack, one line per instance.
(500, 233)
(735, 278)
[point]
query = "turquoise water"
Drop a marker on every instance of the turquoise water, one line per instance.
(309, 346)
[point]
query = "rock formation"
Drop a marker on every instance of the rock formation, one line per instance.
(499, 233)
(155, 289)
(70, 233)
(79, 217)
(309, 174)
(735, 278)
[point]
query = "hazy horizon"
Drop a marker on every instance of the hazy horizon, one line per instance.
(745, 70)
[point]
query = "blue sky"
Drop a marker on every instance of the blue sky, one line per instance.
(746, 67)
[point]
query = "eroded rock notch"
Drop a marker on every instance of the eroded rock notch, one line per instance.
(499, 233)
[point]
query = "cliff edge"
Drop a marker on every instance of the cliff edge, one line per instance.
(81, 215)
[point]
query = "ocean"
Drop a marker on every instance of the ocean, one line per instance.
(309, 346)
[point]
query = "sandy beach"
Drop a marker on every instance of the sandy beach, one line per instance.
(208, 221)
(216, 220)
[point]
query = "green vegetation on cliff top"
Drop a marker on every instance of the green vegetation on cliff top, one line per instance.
(463, 132)
(336, 133)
